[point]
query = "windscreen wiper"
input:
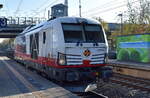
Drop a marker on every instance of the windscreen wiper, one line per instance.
(95, 43)
(79, 43)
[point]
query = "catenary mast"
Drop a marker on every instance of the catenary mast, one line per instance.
(66, 3)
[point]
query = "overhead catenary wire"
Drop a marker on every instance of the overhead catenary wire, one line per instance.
(108, 9)
(45, 2)
(6, 8)
(43, 9)
(102, 6)
(18, 7)
(39, 7)
(38, 10)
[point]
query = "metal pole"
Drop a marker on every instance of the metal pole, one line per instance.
(1, 6)
(48, 14)
(66, 2)
(66, 9)
(25, 20)
(32, 20)
(17, 20)
(11, 19)
(80, 8)
(121, 25)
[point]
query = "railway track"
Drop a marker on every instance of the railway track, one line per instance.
(123, 86)
(132, 82)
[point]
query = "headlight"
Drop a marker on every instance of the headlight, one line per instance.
(62, 62)
(61, 59)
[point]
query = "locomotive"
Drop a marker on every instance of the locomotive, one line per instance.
(65, 49)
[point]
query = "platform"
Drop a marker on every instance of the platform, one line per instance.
(135, 69)
(144, 66)
(56, 92)
(18, 82)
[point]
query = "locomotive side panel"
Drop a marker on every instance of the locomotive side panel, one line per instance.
(27, 44)
(57, 39)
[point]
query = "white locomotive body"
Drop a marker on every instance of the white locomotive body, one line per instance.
(66, 48)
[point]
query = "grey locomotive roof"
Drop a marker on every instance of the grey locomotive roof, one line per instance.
(61, 20)
(76, 20)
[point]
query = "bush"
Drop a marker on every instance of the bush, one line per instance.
(123, 54)
(135, 56)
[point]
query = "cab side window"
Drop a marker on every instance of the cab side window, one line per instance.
(44, 37)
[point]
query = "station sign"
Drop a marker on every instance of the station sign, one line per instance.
(3, 22)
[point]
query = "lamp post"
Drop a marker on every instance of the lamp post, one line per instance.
(121, 26)
(1, 6)
(80, 8)
(66, 9)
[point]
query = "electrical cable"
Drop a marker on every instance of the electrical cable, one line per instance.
(37, 13)
(45, 2)
(110, 9)
(18, 7)
(102, 6)
(6, 7)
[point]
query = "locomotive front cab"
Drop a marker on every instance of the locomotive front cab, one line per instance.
(84, 51)
(85, 44)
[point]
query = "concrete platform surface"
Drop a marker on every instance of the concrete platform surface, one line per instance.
(57, 92)
(140, 70)
(144, 66)
(18, 82)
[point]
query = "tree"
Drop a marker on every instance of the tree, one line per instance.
(138, 20)
(138, 11)
(6, 44)
(103, 23)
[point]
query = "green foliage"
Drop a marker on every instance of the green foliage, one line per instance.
(145, 56)
(135, 56)
(138, 18)
(103, 23)
(123, 54)
(138, 12)
(6, 44)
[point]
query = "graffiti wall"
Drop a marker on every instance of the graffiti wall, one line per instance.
(134, 48)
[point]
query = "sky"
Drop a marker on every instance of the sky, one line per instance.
(107, 10)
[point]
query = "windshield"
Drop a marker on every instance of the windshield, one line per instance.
(83, 33)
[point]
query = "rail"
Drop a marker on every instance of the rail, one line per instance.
(132, 82)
